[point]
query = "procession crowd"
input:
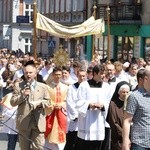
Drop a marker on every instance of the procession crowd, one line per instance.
(80, 106)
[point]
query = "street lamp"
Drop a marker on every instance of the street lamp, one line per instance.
(108, 32)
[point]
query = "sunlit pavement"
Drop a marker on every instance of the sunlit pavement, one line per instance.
(3, 140)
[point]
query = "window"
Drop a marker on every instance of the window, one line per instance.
(4, 10)
(51, 6)
(125, 48)
(39, 5)
(62, 5)
(101, 46)
(65, 5)
(74, 4)
(44, 6)
(1, 11)
(28, 11)
(28, 44)
(57, 6)
(68, 5)
(78, 5)
(47, 6)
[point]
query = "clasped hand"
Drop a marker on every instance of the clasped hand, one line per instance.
(57, 106)
(97, 105)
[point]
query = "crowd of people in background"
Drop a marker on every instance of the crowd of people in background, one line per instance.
(93, 105)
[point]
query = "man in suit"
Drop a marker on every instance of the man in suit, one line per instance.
(32, 98)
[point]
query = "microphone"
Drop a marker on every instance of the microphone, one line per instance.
(27, 87)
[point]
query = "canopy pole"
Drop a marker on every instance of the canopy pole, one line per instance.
(93, 43)
(34, 28)
(108, 32)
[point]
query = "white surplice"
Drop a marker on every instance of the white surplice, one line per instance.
(72, 112)
(91, 123)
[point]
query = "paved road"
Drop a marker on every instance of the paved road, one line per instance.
(3, 140)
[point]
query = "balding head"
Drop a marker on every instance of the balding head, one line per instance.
(147, 71)
(30, 72)
(147, 79)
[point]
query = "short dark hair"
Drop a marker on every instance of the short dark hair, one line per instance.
(47, 63)
(30, 62)
(89, 69)
(67, 68)
(57, 68)
(98, 68)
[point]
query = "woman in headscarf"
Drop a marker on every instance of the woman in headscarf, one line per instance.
(116, 114)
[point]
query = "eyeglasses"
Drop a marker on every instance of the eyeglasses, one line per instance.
(134, 69)
(58, 75)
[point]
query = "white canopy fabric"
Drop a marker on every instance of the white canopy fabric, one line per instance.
(88, 27)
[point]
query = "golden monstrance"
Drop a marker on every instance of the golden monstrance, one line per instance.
(61, 57)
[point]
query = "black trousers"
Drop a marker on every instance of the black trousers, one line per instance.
(87, 145)
(106, 145)
(71, 139)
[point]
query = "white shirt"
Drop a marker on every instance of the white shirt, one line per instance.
(72, 112)
(18, 74)
(45, 73)
(69, 81)
(122, 77)
(2, 83)
(74, 77)
(10, 118)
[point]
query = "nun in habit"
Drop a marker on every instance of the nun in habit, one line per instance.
(116, 114)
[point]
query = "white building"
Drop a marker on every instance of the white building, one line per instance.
(14, 34)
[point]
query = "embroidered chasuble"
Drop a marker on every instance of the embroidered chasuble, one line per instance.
(56, 119)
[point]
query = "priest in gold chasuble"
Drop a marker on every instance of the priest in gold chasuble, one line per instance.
(56, 115)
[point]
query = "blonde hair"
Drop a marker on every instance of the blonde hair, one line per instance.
(118, 66)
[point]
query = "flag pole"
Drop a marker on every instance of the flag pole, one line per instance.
(34, 30)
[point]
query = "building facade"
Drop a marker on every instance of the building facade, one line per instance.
(16, 25)
(129, 27)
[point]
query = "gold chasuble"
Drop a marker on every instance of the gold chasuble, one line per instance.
(56, 119)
